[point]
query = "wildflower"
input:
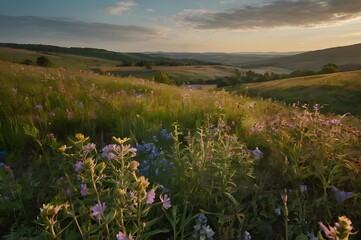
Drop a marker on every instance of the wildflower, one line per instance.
(247, 235)
(98, 210)
(201, 230)
(134, 165)
(78, 166)
(316, 107)
(62, 148)
(208, 231)
(38, 107)
(335, 121)
(165, 200)
(257, 153)
(108, 151)
(330, 232)
(141, 183)
(49, 209)
(303, 188)
(122, 236)
(120, 141)
(341, 195)
(83, 190)
(80, 136)
(278, 211)
(150, 196)
(89, 147)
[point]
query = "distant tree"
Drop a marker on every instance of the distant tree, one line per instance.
(329, 68)
(302, 73)
(148, 66)
(124, 63)
(162, 77)
(43, 61)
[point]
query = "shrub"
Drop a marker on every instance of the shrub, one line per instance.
(43, 61)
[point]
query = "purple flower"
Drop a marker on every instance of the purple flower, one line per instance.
(316, 107)
(150, 196)
(166, 201)
(89, 147)
(340, 195)
(257, 153)
(122, 236)
(78, 166)
(108, 151)
(83, 190)
(98, 210)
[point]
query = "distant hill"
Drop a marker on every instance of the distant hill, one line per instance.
(233, 59)
(347, 57)
(122, 58)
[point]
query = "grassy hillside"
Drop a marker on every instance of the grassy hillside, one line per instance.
(338, 92)
(57, 59)
(346, 57)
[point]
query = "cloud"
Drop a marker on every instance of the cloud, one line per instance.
(42, 30)
(120, 7)
(281, 13)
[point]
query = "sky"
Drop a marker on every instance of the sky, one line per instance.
(183, 25)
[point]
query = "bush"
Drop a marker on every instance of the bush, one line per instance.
(43, 61)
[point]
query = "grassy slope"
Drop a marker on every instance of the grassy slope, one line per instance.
(58, 60)
(339, 92)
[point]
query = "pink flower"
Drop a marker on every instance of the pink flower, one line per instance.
(122, 236)
(98, 210)
(150, 196)
(83, 190)
(329, 232)
(166, 201)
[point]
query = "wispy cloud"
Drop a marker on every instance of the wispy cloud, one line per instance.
(281, 13)
(120, 7)
(42, 30)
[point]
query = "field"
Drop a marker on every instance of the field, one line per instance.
(198, 164)
(186, 73)
(338, 93)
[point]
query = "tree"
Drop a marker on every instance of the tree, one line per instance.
(162, 77)
(329, 68)
(43, 61)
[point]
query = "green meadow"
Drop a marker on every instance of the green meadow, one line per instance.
(89, 156)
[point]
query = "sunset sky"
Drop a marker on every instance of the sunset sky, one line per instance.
(183, 25)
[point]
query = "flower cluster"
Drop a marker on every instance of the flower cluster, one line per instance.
(201, 230)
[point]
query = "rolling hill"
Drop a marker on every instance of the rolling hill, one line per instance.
(347, 57)
(117, 57)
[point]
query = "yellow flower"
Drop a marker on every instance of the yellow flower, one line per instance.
(120, 141)
(79, 136)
